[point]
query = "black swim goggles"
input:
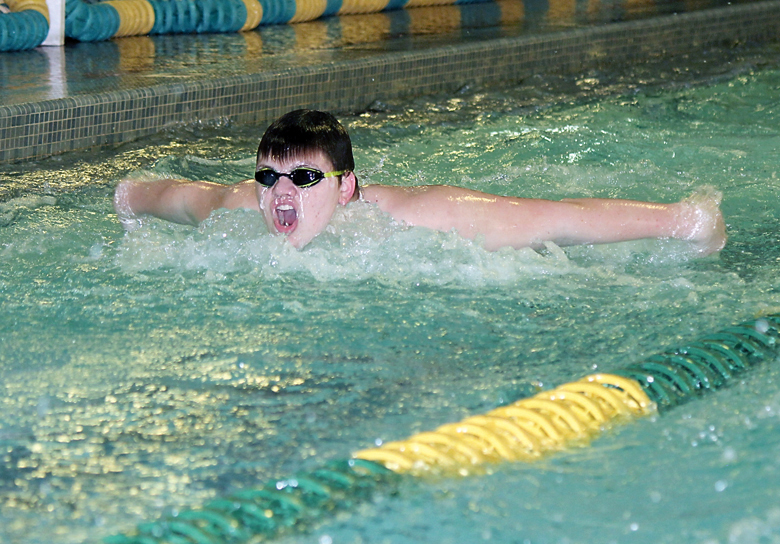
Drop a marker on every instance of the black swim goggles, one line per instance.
(301, 176)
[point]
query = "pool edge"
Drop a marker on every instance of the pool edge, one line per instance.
(41, 129)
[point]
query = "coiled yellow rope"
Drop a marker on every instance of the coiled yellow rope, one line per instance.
(254, 11)
(136, 17)
(523, 431)
(38, 5)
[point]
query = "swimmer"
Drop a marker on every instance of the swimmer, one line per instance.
(305, 170)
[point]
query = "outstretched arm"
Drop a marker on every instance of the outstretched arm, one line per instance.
(180, 201)
(519, 222)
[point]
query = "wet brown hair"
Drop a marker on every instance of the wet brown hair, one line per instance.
(302, 132)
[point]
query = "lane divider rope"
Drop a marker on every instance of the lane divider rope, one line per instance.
(523, 431)
(569, 415)
(24, 26)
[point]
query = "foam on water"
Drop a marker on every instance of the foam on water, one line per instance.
(362, 243)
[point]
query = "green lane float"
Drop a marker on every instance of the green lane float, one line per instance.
(526, 430)
(91, 22)
(25, 26)
(266, 511)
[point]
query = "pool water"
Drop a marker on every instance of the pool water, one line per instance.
(154, 370)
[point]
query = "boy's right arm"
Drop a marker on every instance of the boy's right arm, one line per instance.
(179, 201)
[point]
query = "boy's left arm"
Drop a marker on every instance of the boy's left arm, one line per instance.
(519, 222)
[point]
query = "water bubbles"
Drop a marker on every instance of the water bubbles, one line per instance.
(281, 484)
(96, 251)
(721, 485)
(754, 530)
(729, 455)
(762, 326)
(769, 410)
(43, 406)
(361, 242)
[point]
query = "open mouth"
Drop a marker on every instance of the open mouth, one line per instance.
(286, 217)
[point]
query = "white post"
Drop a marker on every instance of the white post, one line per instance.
(56, 34)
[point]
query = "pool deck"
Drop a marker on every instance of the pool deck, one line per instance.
(83, 95)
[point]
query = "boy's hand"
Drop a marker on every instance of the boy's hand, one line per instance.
(701, 217)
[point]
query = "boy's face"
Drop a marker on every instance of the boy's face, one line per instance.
(301, 213)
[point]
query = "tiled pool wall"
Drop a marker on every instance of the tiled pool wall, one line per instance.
(44, 128)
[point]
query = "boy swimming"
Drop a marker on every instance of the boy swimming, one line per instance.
(305, 170)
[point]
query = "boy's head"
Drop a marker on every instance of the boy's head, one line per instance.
(305, 170)
(303, 132)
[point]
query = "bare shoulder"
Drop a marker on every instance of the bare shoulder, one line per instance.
(439, 207)
(382, 194)
(394, 198)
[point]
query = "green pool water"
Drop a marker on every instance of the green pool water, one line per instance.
(147, 372)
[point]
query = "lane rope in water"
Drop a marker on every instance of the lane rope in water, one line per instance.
(566, 416)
